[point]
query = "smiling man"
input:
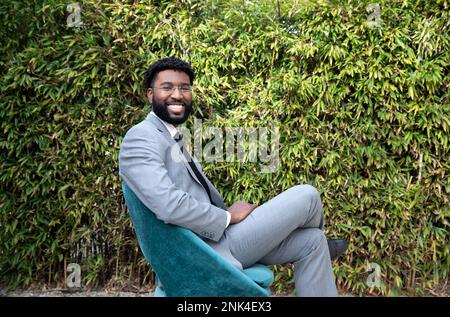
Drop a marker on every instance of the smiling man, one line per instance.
(286, 229)
(170, 95)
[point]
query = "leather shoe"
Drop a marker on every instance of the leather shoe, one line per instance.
(336, 247)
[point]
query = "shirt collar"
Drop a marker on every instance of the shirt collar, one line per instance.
(170, 127)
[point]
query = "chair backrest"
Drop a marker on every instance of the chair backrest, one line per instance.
(184, 263)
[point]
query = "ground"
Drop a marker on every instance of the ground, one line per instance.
(443, 290)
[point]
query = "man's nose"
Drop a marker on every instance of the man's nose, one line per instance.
(176, 94)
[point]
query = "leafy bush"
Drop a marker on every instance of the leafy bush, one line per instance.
(363, 112)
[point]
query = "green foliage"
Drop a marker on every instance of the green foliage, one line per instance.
(363, 112)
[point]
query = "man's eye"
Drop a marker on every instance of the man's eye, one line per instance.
(167, 88)
(185, 88)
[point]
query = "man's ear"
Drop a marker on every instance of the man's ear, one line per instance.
(150, 95)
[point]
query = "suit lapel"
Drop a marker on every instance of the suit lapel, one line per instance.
(159, 125)
(189, 168)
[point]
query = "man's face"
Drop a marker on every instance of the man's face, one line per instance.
(171, 97)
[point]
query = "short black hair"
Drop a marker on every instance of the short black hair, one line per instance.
(172, 63)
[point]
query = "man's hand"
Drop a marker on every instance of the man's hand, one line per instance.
(240, 210)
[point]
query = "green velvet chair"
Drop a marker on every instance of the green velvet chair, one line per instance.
(185, 265)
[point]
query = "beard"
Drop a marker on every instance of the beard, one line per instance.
(161, 111)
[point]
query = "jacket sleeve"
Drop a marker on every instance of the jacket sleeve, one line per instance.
(142, 167)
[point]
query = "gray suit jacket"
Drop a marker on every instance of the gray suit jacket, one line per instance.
(152, 165)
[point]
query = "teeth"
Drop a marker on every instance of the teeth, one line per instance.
(176, 107)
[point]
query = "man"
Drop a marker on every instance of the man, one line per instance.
(155, 165)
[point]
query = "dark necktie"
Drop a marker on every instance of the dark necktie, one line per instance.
(179, 138)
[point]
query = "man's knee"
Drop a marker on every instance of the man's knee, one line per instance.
(310, 205)
(308, 191)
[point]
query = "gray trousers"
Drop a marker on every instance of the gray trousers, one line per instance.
(287, 229)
